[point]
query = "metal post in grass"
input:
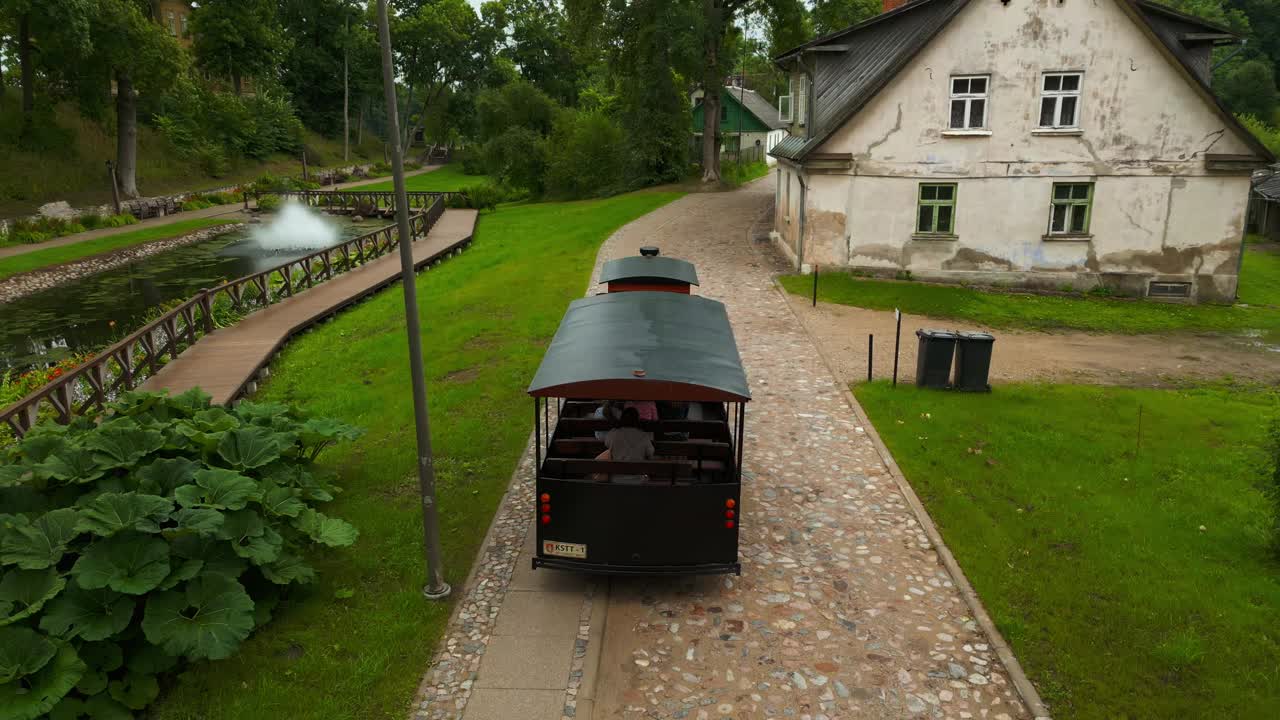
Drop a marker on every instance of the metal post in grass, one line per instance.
(815, 285)
(436, 587)
(871, 350)
(897, 339)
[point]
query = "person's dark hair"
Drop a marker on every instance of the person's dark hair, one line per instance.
(630, 418)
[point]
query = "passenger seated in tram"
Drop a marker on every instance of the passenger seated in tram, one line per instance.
(607, 411)
(627, 443)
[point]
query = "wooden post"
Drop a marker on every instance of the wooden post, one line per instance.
(115, 186)
(304, 165)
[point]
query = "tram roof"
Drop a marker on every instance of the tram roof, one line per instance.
(643, 346)
(657, 269)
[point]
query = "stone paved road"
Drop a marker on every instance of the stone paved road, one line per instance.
(843, 609)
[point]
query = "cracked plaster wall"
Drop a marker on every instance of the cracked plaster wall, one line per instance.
(1157, 213)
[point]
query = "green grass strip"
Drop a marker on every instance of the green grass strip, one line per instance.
(355, 645)
(1130, 571)
(1260, 284)
(77, 251)
(445, 179)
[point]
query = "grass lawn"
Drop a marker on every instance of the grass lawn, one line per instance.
(445, 179)
(487, 316)
(1132, 583)
(1260, 284)
(77, 251)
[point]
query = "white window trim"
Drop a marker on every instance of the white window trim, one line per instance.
(968, 99)
(784, 117)
(1058, 95)
(802, 92)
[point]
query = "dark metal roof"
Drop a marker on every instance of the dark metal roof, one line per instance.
(881, 46)
(658, 269)
(643, 346)
(1268, 187)
(758, 106)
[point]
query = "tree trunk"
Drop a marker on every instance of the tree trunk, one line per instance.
(711, 84)
(346, 97)
(236, 82)
(126, 135)
(360, 128)
(408, 110)
(27, 71)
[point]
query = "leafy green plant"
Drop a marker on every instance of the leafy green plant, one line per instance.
(165, 533)
(269, 202)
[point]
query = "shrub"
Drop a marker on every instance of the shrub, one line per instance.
(472, 162)
(483, 196)
(590, 158)
(220, 198)
(517, 157)
(196, 203)
(164, 534)
(38, 230)
(735, 174)
(381, 169)
(269, 203)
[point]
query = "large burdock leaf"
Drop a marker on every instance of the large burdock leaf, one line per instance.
(216, 554)
(33, 695)
(109, 513)
(130, 563)
(72, 464)
(13, 475)
(24, 592)
(164, 476)
(206, 620)
(104, 656)
(250, 538)
(326, 530)
(261, 413)
(288, 569)
(36, 448)
(39, 544)
(135, 691)
(182, 572)
(23, 652)
(310, 486)
(249, 447)
(89, 614)
(283, 501)
(199, 520)
(218, 488)
(122, 443)
(215, 420)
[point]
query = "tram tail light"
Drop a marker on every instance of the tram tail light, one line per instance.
(728, 524)
(729, 514)
(546, 519)
(546, 497)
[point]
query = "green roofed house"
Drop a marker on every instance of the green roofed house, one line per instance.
(745, 118)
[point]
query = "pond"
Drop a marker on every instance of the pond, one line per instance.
(95, 311)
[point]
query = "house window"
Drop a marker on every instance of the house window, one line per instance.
(937, 210)
(969, 102)
(185, 30)
(172, 22)
(1072, 206)
(1060, 100)
(802, 99)
(784, 108)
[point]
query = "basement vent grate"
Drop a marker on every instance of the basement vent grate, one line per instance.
(1169, 290)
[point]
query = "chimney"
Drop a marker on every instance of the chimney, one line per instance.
(893, 4)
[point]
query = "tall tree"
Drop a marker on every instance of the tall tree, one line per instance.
(535, 38)
(832, 15)
(237, 38)
(37, 25)
(439, 44)
(141, 58)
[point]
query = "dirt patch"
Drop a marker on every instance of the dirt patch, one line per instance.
(462, 376)
(1025, 356)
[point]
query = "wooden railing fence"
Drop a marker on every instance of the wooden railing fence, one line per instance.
(128, 363)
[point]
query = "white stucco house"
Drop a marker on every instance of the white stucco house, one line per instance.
(1026, 142)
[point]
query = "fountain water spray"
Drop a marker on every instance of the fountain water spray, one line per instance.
(295, 227)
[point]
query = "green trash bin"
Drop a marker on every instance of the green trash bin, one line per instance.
(973, 361)
(933, 358)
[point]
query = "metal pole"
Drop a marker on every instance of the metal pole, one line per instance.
(897, 338)
(436, 587)
(815, 285)
(871, 349)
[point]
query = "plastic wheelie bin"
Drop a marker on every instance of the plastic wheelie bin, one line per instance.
(973, 361)
(933, 359)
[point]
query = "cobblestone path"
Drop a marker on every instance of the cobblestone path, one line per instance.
(843, 609)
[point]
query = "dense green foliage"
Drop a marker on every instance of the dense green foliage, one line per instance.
(165, 533)
(993, 308)
(1119, 538)
(37, 230)
(355, 644)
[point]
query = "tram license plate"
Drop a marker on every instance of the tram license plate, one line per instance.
(564, 549)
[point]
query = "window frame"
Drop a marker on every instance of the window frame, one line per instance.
(968, 98)
(1072, 204)
(785, 116)
(1057, 96)
(935, 203)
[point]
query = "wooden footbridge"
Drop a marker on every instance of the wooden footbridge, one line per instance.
(186, 348)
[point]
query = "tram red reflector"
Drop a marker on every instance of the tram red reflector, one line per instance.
(546, 498)
(728, 514)
(546, 519)
(728, 524)
(546, 507)
(730, 503)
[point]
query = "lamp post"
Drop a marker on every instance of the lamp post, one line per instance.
(436, 588)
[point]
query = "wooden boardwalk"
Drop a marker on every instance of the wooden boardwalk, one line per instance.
(226, 362)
